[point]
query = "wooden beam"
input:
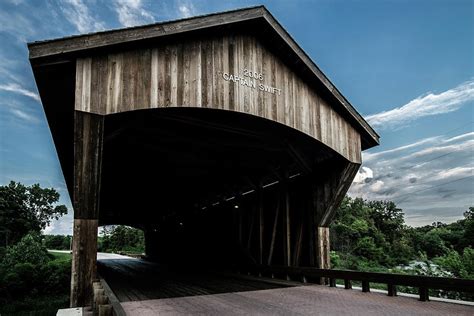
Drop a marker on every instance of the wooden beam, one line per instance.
(286, 224)
(74, 44)
(298, 242)
(88, 140)
(274, 230)
(261, 222)
(310, 222)
(322, 251)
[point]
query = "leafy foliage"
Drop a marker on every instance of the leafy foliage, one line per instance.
(372, 235)
(28, 251)
(122, 239)
(27, 272)
(57, 242)
(26, 208)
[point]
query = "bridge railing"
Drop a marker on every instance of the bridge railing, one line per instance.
(423, 283)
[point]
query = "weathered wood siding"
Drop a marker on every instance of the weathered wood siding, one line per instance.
(190, 74)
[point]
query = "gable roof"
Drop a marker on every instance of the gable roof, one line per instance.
(258, 18)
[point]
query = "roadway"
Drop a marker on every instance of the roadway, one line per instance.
(145, 288)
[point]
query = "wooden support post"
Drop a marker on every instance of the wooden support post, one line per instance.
(298, 243)
(261, 224)
(424, 294)
(274, 231)
(311, 235)
(286, 225)
(332, 282)
(365, 286)
(322, 250)
(392, 289)
(347, 284)
(88, 135)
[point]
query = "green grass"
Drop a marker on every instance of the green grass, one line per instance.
(60, 255)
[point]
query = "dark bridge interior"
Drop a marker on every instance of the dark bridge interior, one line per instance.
(204, 184)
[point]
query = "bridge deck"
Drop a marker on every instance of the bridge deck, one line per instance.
(147, 289)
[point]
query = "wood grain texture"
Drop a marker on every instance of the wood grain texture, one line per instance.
(190, 74)
(322, 250)
(331, 187)
(84, 254)
(88, 141)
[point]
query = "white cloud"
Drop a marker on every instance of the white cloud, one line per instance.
(77, 13)
(427, 105)
(131, 13)
(186, 9)
(454, 173)
(362, 174)
(426, 176)
(429, 140)
(16, 88)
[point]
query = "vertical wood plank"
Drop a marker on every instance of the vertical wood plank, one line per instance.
(231, 51)
(225, 69)
(181, 85)
(155, 70)
(167, 76)
(162, 77)
(174, 75)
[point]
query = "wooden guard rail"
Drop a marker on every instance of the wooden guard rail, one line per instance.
(423, 283)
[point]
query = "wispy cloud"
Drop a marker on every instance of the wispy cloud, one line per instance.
(20, 111)
(17, 24)
(77, 13)
(426, 105)
(24, 116)
(186, 9)
(427, 174)
(131, 13)
(16, 88)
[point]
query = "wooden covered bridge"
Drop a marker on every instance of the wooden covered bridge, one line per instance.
(217, 135)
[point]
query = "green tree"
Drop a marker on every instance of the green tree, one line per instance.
(28, 250)
(26, 208)
(388, 218)
(59, 242)
(122, 238)
(433, 244)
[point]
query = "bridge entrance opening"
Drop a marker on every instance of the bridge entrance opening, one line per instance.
(210, 186)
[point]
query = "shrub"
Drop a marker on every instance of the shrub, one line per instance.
(28, 250)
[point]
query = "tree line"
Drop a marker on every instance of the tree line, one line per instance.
(373, 236)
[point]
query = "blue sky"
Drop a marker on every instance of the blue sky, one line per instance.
(407, 66)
